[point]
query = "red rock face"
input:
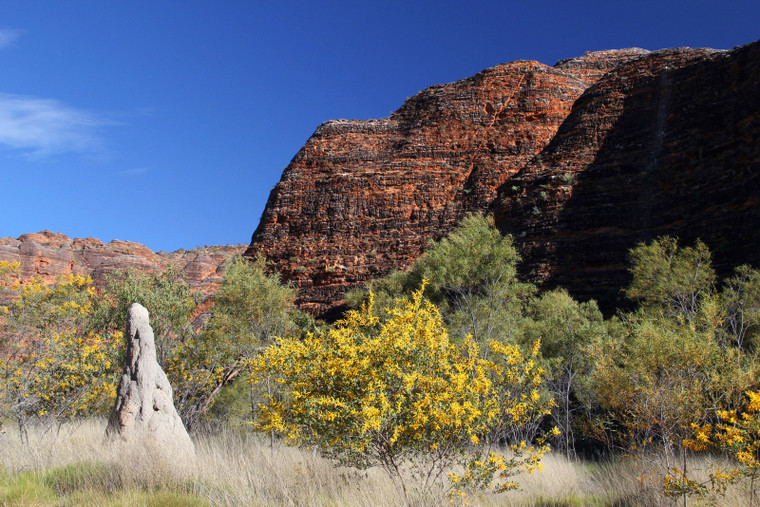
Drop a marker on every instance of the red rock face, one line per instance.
(667, 144)
(364, 197)
(578, 162)
(48, 254)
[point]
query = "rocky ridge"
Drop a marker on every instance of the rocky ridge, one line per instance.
(578, 162)
(364, 197)
(48, 254)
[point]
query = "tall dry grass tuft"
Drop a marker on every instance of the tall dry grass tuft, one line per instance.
(235, 469)
(232, 468)
(73, 467)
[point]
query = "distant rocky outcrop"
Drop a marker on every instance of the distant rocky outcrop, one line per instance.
(578, 162)
(144, 416)
(48, 254)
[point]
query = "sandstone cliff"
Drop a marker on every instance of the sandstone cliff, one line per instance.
(364, 197)
(666, 144)
(578, 162)
(48, 254)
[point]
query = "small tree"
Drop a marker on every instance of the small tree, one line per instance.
(670, 279)
(472, 278)
(165, 294)
(399, 395)
(249, 310)
(566, 329)
(663, 378)
(740, 300)
(674, 367)
(473, 258)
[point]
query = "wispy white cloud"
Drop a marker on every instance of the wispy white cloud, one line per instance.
(134, 172)
(8, 36)
(46, 126)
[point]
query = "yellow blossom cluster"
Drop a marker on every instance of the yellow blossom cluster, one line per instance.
(380, 393)
(737, 434)
(51, 364)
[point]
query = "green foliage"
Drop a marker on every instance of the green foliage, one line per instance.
(473, 258)
(564, 325)
(567, 329)
(249, 310)
(740, 301)
(384, 290)
(165, 294)
(472, 277)
(670, 279)
(398, 394)
(231, 406)
(664, 377)
(673, 368)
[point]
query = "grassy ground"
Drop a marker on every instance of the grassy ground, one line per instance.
(73, 468)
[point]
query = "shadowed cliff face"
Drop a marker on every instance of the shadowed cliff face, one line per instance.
(579, 162)
(667, 144)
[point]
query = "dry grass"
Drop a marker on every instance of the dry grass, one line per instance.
(73, 468)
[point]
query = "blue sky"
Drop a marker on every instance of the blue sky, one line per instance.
(168, 122)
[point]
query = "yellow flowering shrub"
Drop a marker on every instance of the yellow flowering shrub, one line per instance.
(8, 274)
(736, 434)
(400, 395)
(51, 365)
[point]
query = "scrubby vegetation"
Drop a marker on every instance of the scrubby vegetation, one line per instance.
(451, 377)
(399, 395)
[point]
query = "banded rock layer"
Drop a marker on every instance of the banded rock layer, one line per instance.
(668, 144)
(579, 162)
(48, 255)
(364, 197)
